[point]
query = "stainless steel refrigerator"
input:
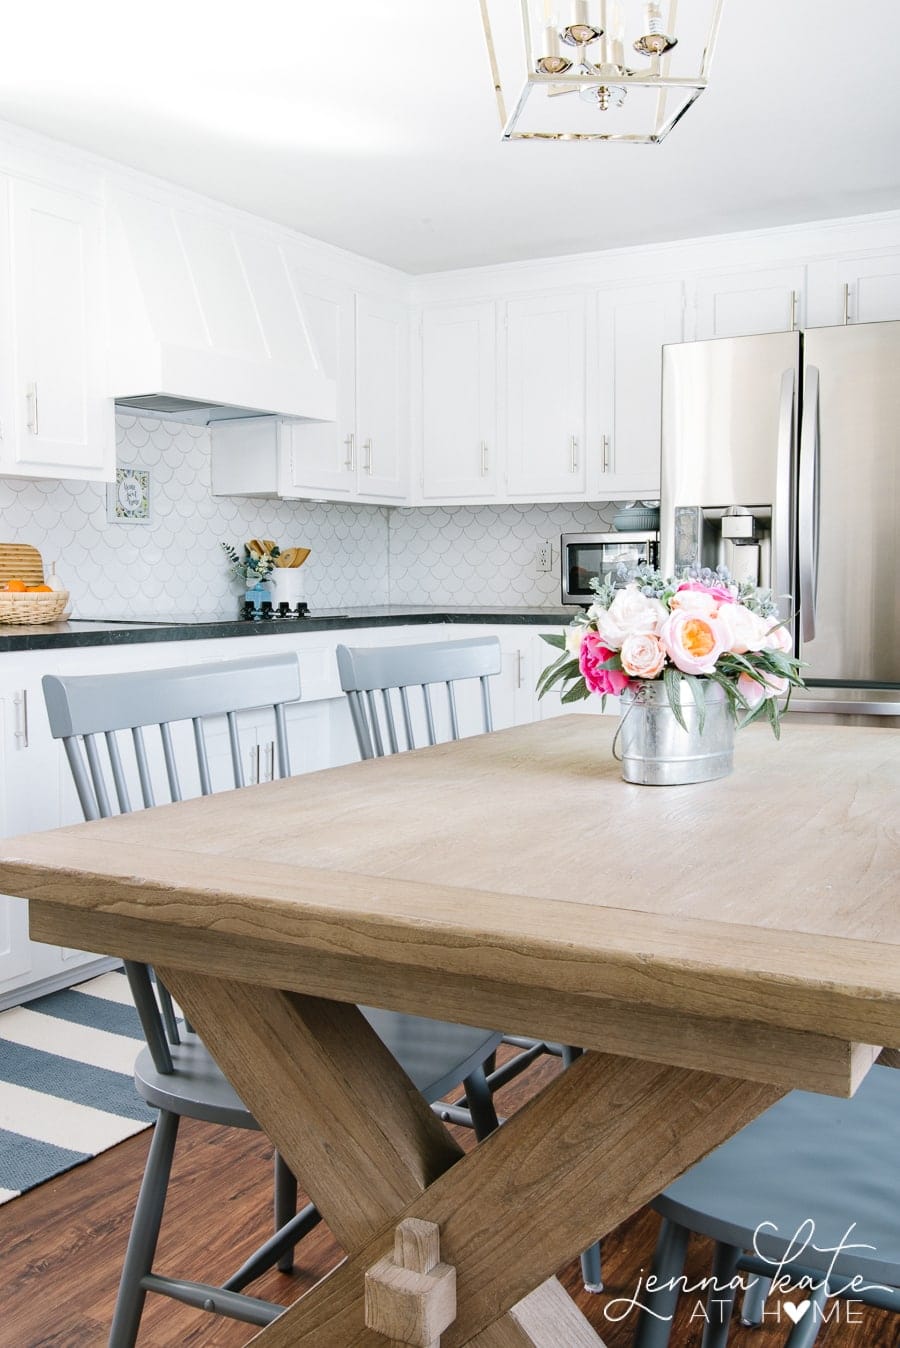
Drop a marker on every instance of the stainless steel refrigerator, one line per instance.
(781, 460)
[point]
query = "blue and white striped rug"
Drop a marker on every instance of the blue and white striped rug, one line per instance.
(66, 1081)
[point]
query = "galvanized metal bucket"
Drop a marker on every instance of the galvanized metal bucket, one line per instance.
(655, 750)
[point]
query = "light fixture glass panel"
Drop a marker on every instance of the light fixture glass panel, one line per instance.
(619, 86)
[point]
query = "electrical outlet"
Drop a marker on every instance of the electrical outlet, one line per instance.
(545, 555)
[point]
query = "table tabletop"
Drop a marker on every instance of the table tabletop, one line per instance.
(483, 879)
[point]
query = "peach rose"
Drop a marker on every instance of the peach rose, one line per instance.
(694, 643)
(642, 656)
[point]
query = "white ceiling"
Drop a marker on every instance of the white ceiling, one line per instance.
(372, 123)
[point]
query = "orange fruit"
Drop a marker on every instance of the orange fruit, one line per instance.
(39, 589)
(16, 586)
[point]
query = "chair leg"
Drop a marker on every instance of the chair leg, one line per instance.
(591, 1269)
(480, 1104)
(754, 1302)
(720, 1301)
(144, 1232)
(805, 1333)
(285, 1207)
(655, 1322)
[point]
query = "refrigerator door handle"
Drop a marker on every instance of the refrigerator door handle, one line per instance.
(781, 580)
(808, 504)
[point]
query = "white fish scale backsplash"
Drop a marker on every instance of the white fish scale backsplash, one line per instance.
(360, 554)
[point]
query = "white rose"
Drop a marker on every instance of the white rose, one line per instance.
(574, 638)
(702, 603)
(630, 614)
(749, 632)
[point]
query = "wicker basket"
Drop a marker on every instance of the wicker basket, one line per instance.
(33, 608)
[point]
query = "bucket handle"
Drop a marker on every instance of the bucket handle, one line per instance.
(622, 719)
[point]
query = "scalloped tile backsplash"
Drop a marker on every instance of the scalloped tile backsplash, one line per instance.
(360, 554)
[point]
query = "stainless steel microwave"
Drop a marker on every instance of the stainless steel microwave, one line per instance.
(584, 557)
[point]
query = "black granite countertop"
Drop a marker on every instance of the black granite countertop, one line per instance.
(107, 632)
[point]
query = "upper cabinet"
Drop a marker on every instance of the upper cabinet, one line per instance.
(544, 397)
(633, 325)
(854, 290)
(360, 344)
(58, 421)
(459, 402)
(739, 304)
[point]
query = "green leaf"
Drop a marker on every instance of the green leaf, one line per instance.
(774, 717)
(577, 693)
(563, 668)
(672, 681)
(554, 639)
(698, 693)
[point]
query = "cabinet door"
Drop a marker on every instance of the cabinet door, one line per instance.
(634, 324)
(749, 302)
(545, 396)
(322, 455)
(854, 290)
(382, 405)
(459, 402)
(64, 426)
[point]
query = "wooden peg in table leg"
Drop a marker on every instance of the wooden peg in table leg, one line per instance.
(411, 1296)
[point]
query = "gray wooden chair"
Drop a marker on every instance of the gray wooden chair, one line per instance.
(402, 697)
(810, 1172)
(198, 742)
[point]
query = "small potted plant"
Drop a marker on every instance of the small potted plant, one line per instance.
(254, 568)
(689, 659)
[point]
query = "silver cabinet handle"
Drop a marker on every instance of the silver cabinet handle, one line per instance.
(845, 317)
(253, 755)
(350, 446)
(785, 452)
(520, 669)
(20, 718)
(795, 300)
(31, 398)
(605, 468)
(808, 513)
(269, 770)
(367, 446)
(573, 449)
(484, 458)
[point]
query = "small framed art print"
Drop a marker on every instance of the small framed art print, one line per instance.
(128, 498)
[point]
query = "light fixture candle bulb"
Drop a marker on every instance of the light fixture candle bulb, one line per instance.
(552, 62)
(655, 41)
(581, 30)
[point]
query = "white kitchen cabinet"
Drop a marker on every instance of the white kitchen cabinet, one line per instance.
(854, 290)
(633, 325)
(544, 403)
(739, 304)
(382, 397)
(459, 402)
(57, 420)
(362, 345)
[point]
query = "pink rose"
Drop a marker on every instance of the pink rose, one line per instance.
(720, 593)
(773, 685)
(694, 643)
(642, 656)
(592, 655)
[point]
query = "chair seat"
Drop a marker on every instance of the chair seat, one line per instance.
(808, 1157)
(436, 1056)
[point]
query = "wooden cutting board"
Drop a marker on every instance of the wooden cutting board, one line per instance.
(20, 561)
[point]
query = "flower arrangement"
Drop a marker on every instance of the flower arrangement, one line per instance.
(704, 628)
(255, 566)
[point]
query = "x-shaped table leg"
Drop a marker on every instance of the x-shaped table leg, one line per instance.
(596, 1144)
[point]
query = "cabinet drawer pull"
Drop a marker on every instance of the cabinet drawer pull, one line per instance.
(573, 449)
(605, 468)
(845, 318)
(31, 398)
(350, 461)
(795, 300)
(367, 446)
(20, 718)
(484, 458)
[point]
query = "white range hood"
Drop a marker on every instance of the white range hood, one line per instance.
(206, 321)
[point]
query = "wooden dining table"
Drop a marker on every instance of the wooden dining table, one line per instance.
(712, 946)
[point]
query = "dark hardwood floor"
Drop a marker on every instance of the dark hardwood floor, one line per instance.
(61, 1248)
